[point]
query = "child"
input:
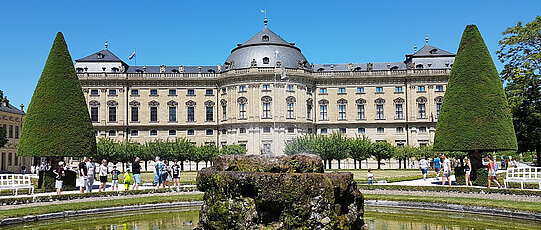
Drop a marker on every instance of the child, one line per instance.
(115, 173)
(370, 176)
(127, 179)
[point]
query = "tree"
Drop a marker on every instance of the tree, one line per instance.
(107, 149)
(208, 153)
(339, 149)
(404, 153)
(382, 151)
(474, 116)
(232, 150)
(57, 122)
(520, 51)
(360, 148)
(3, 137)
(160, 148)
(182, 149)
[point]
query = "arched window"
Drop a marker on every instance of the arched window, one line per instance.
(266, 100)
(380, 115)
(112, 110)
(242, 107)
(421, 107)
(399, 108)
(291, 107)
(265, 60)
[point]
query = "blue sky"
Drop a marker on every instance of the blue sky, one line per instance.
(204, 32)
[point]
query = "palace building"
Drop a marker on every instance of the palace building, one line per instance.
(265, 94)
(11, 120)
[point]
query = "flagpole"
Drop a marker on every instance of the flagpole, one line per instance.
(135, 56)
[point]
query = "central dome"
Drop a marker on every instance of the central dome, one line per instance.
(265, 49)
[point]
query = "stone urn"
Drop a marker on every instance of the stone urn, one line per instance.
(285, 192)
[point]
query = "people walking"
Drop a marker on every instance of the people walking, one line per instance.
(492, 168)
(370, 176)
(175, 169)
(114, 178)
(127, 179)
(446, 171)
(83, 175)
(159, 172)
(136, 166)
(437, 167)
(91, 168)
(33, 169)
(59, 179)
(467, 171)
(104, 171)
(423, 165)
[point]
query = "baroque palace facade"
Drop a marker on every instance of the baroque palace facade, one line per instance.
(11, 120)
(265, 94)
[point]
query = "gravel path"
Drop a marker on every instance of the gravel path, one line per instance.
(494, 196)
(6, 207)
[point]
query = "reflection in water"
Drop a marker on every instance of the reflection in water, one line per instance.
(375, 217)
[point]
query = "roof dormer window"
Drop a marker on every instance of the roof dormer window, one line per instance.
(320, 70)
(100, 55)
(138, 71)
(80, 70)
(433, 51)
(115, 70)
(174, 70)
(211, 71)
(357, 69)
(265, 38)
(265, 60)
(420, 66)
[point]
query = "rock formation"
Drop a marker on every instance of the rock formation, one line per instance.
(286, 192)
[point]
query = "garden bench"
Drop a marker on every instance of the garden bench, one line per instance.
(523, 175)
(16, 182)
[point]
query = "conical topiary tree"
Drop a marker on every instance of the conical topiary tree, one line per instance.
(474, 117)
(57, 123)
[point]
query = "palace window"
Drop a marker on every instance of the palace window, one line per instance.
(323, 112)
(438, 108)
(360, 89)
(341, 112)
(16, 132)
(94, 114)
(322, 90)
(323, 130)
(153, 92)
(265, 60)
(135, 92)
(341, 90)
(422, 110)
(242, 130)
(439, 88)
(290, 88)
(290, 111)
(421, 88)
(172, 92)
(361, 130)
(266, 87)
(379, 112)
(360, 112)
(153, 114)
(209, 113)
(153, 132)
(309, 111)
(290, 129)
(209, 92)
(422, 129)
(380, 130)
(191, 113)
(172, 113)
(134, 114)
(210, 132)
(398, 89)
(112, 133)
(134, 133)
(266, 110)
(242, 111)
(94, 92)
(379, 89)
(191, 92)
(224, 112)
(112, 92)
(399, 112)
(191, 132)
(10, 134)
(172, 132)
(112, 113)
(242, 88)
(399, 129)
(266, 129)
(10, 159)
(342, 130)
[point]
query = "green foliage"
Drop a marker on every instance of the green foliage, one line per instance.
(232, 150)
(49, 180)
(474, 115)
(360, 148)
(452, 189)
(520, 51)
(57, 122)
(182, 149)
(382, 151)
(3, 137)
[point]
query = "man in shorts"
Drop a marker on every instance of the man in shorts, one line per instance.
(446, 171)
(176, 175)
(83, 175)
(437, 167)
(114, 175)
(60, 174)
(136, 167)
(423, 165)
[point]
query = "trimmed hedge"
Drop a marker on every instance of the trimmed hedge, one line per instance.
(57, 122)
(68, 184)
(50, 198)
(452, 189)
(474, 114)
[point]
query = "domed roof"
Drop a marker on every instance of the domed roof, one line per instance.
(266, 48)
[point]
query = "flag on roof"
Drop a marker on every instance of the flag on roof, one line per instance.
(132, 55)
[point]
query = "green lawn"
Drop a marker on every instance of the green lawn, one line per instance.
(382, 174)
(75, 206)
(513, 205)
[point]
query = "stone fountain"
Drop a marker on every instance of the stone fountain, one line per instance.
(285, 192)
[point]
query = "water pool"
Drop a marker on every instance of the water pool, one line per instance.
(375, 218)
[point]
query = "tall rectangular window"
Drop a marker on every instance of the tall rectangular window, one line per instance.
(242, 88)
(379, 112)
(422, 110)
(112, 114)
(153, 114)
(94, 114)
(10, 133)
(16, 132)
(266, 110)
(242, 111)
(341, 112)
(438, 108)
(172, 113)
(309, 111)
(399, 112)
(191, 113)
(360, 112)
(290, 111)
(134, 114)
(399, 129)
(224, 112)
(323, 112)
(266, 87)
(290, 88)
(209, 113)
(361, 130)
(10, 155)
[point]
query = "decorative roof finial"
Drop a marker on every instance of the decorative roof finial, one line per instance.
(106, 44)
(265, 20)
(415, 48)
(426, 39)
